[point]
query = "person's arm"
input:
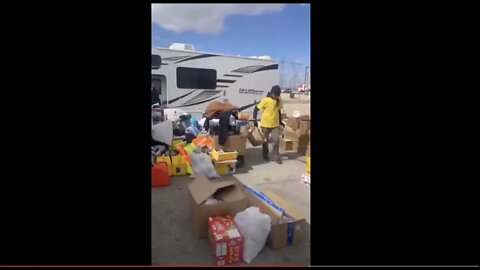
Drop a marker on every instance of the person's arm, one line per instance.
(280, 118)
(260, 106)
(280, 107)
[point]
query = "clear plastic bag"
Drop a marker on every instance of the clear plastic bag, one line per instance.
(201, 164)
(255, 227)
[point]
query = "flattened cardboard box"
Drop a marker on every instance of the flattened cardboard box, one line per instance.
(278, 237)
(234, 201)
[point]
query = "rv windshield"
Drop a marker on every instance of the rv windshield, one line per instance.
(156, 61)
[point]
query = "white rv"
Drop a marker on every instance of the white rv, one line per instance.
(190, 80)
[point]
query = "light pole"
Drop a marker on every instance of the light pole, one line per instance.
(307, 77)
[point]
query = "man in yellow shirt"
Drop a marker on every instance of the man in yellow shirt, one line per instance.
(270, 122)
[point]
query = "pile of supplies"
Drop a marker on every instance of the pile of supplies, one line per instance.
(296, 134)
(213, 146)
(239, 221)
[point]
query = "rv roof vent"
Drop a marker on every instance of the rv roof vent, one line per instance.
(265, 57)
(182, 47)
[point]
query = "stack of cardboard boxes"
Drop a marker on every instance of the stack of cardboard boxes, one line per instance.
(233, 142)
(296, 135)
(224, 161)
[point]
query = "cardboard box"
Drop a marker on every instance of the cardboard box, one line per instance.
(286, 144)
(294, 122)
(300, 141)
(304, 127)
(289, 133)
(234, 142)
(226, 242)
(234, 201)
(255, 136)
(301, 145)
(282, 234)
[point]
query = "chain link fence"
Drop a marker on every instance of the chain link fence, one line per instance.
(292, 73)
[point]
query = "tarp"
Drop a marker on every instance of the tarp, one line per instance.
(163, 132)
(217, 106)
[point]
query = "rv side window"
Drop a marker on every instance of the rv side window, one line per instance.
(197, 78)
(156, 61)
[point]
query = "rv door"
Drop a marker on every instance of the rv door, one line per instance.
(159, 83)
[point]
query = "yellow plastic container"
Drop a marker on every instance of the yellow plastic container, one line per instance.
(307, 168)
(225, 167)
(222, 156)
(189, 170)
(167, 160)
(179, 165)
(175, 142)
(189, 148)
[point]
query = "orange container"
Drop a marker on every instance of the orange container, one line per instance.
(160, 176)
(202, 141)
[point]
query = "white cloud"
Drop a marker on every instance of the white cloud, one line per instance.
(204, 18)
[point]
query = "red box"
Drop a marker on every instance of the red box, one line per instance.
(226, 242)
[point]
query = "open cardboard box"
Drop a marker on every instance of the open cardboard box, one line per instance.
(234, 201)
(254, 135)
(300, 141)
(286, 144)
(279, 234)
(235, 142)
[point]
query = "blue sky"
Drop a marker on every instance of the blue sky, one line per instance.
(280, 31)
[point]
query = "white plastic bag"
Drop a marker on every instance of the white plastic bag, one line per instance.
(201, 164)
(211, 200)
(163, 132)
(255, 227)
(296, 114)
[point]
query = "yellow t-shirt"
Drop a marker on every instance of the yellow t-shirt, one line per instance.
(270, 114)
